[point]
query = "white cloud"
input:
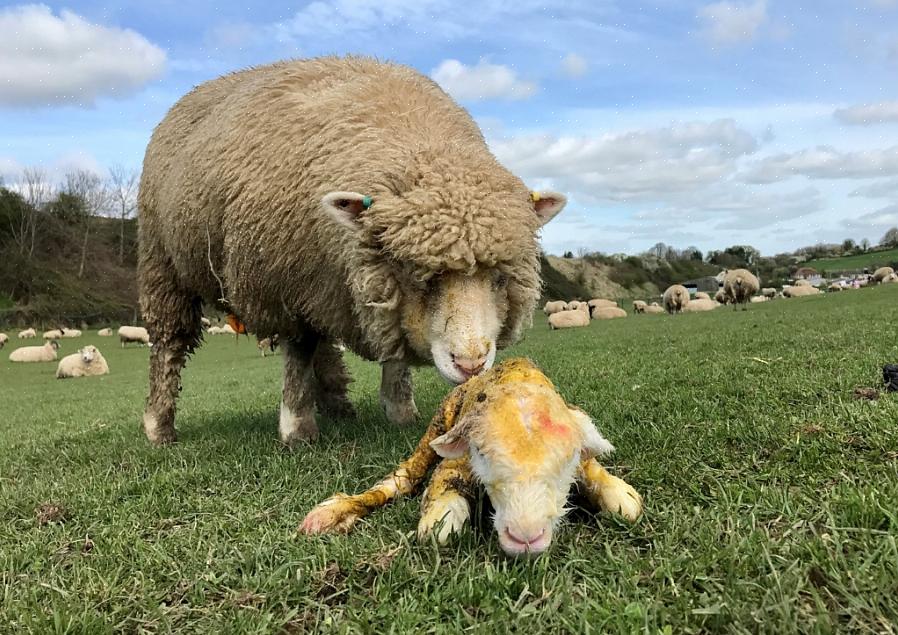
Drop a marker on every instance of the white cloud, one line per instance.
(728, 23)
(878, 189)
(55, 169)
(46, 60)
(483, 81)
(574, 66)
(875, 223)
(868, 114)
(634, 165)
(823, 162)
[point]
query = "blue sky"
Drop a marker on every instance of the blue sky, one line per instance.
(771, 123)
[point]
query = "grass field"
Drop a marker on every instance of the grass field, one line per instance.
(771, 492)
(870, 260)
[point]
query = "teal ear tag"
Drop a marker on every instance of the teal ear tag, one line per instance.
(366, 202)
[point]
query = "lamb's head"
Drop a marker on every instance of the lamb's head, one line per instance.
(525, 445)
(88, 354)
(462, 277)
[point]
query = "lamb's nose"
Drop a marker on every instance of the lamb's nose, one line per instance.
(527, 538)
(468, 366)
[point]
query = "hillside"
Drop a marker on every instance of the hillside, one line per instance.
(854, 264)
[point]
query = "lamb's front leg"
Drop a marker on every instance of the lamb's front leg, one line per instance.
(608, 492)
(445, 508)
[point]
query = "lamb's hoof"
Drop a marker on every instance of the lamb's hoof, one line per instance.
(621, 498)
(335, 515)
(443, 519)
(157, 434)
(400, 413)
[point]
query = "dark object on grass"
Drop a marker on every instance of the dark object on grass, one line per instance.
(870, 394)
(890, 377)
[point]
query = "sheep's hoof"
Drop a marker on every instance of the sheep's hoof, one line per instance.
(620, 498)
(157, 434)
(297, 429)
(400, 413)
(300, 437)
(335, 515)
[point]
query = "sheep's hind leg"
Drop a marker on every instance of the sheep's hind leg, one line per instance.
(297, 414)
(609, 492)
(332, 378)
(396, 395)
(173, 321)
(445, 506)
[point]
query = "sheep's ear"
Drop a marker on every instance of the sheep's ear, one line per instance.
(547, 204)
(452, 445)
(594, 444)
(346, 207)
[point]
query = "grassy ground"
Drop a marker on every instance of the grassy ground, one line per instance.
(870, 260)
(770, 492)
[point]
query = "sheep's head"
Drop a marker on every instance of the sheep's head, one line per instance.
(465, 268)
(525, 445)
(88, 353)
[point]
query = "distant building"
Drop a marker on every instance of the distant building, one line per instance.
(806, 273)
(708, 284)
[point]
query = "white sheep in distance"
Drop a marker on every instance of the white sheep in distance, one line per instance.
(596, 302)
(87, 362)
(137, 334)
(700, 305)
(554, 307)
(881, 274)
(4, 338)
(759, 298)
(509, 431)
(214, 330)
(107, 332)
(53, 334)
(45, 353)
(768, 292)
(639, 306)
(800, 291)
(802, 283)
(740, 285)
(721, 297)
(608, 313)
(653, 309)
(71, 333)
(892, 277)
(675, 299)
(27, 334)
(573, 305)
(568, 319)
(701, 295)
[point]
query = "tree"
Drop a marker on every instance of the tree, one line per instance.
(94, 192)
(848, 245)
(67, 207)
(35, 188)
(865, 244)
(123, 182)
(890, 239)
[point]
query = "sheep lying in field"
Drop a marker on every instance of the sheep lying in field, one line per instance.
(568, 319)
(881, 274)
(554, 307)
(768, 292)
(639, 306)
(892, 277)
(45, 353)
(574, 305)
(107, 332)
(53, 334)
(87, 362)
(759, 298)
(268, 343)
(27, 334)
(701, 295)
(675, 298)
(214, 330)
(599, 302)
(802, 283)
(509, 431)
(227, 329)
(740, 285)
(653, 308)
(136, 334)
(608, 313)
(71, 333)
(4, 338)
(721, 297)
(206, 322)
(800, 291)
(700, 305)
(835, 286)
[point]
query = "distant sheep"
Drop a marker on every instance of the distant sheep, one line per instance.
(740, 285)
(70, 333)
(768, 292)
(639, 306)
(573, 305)
(53, 334)
(675, 298)
(835, 286)
(107, 332)
(214, 330)
(554, 307)
(87, 362)
(799, 291)
(702, 304)
(892, 277)
(227, 329)
(45, 353)
(759, 298)
(27, 334)
(136, 334)
(268, 343)
(4, 338)
(653, 308)
(802, 283)
(721, 296)
(206, 322)
(701, 295)
(882, 273)
(608, 313)
(596, 302)
(568, 319)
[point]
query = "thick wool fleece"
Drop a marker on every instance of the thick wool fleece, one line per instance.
(230, 203)
(740, 285)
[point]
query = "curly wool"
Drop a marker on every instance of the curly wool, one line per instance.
(234, 177)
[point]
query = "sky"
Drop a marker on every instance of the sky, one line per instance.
(772, 123)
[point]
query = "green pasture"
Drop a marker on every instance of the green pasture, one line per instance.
(870, 260)
(771, 492)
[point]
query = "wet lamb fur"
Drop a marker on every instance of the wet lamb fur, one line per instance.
(231, 214)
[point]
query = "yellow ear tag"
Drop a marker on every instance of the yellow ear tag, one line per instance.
(535, 196)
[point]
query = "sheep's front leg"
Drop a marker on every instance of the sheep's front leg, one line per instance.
(396, 395)
(608, 492)
(297, 416)
(445, 507)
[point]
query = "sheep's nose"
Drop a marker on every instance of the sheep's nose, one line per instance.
(468, 366)
(526, 538)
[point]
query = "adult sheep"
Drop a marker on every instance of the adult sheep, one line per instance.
(27, 334)
(768, 292)
(653, 309)
(107, 332)
(892, 277)
(721, 297)
(45, 353)
(608, 313)
(568, 319)
(739, 285)
(4, 338)
(802, 283)
(882, 273)
(800, 291)
(88, 362)
(701, 295)
(675, 298)
(53, 334)
(639, 306)
(554, 307)
(700, 305)
(71, 333)
(135, 334)
(333, 199)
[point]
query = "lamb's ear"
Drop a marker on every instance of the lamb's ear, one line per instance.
(594, 444)
(452, 444)
(346, 207)
(547, 204)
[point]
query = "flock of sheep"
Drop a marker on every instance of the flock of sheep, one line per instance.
(740, 287)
